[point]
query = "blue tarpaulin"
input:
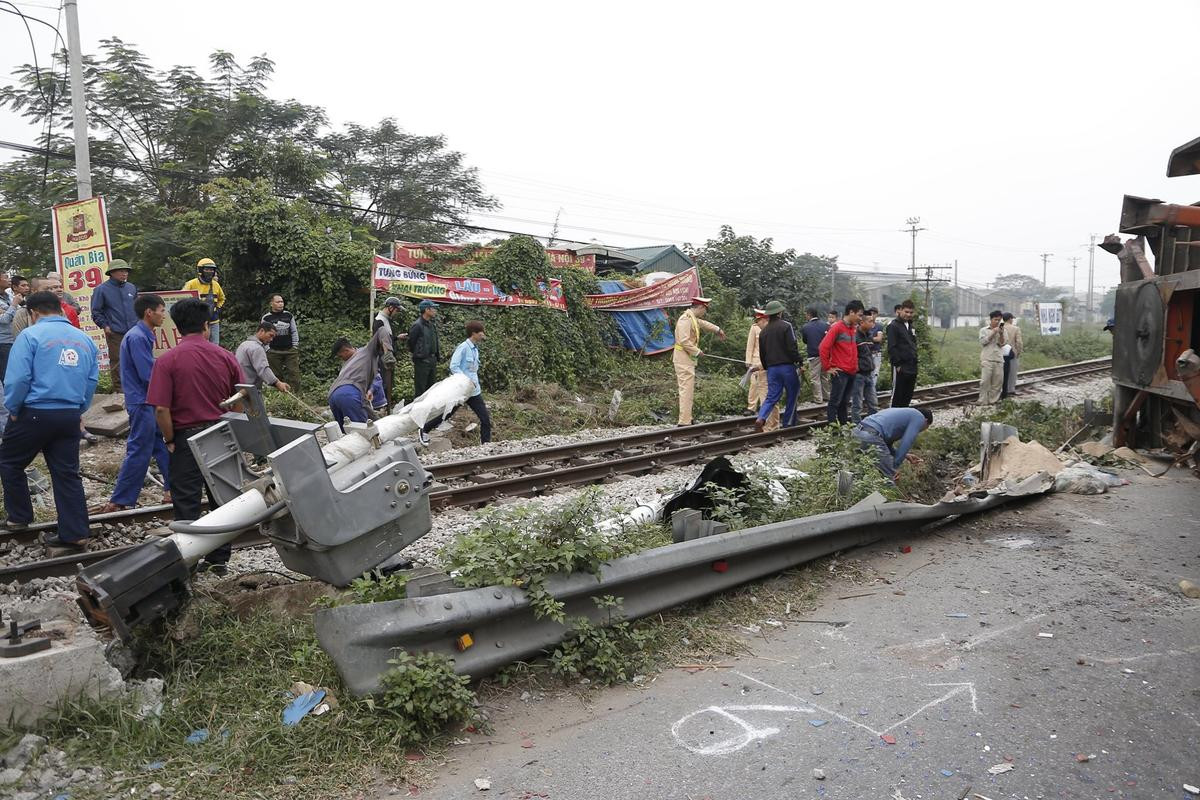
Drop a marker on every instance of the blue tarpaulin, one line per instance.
(636, 327)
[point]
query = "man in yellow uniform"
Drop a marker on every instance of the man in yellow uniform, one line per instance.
(208, 288)
(757, 392)
(687, 350)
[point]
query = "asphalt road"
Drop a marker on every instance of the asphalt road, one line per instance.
(950, 661)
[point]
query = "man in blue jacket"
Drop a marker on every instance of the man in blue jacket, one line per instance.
(52, 373)
(112, 311)
(812, 332)
(879, 433)
(145, 440)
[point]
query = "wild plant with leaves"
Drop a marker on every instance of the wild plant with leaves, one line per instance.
(523, 546)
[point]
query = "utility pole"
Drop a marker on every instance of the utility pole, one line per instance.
(1074, 266)
(83, 160)
(1091, 272)
(912, 223)
(930, 282)
(1045, 258)
(833, 286)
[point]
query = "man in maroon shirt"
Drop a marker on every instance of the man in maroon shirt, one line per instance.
(187, 386)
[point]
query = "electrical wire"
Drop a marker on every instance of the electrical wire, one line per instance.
(51, 103)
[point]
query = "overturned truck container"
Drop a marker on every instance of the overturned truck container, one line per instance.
(1156, 366)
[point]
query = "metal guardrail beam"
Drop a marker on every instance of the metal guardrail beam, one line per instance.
(361, 638)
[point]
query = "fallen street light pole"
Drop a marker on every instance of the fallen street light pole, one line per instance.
(332, 512)
(483, 629)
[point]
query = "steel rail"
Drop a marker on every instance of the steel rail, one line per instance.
(716, 438)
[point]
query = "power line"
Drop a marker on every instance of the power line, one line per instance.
(912, 228)
(1045, 258)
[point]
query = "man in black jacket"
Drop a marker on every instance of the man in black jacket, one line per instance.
(902, 353)
(780, 356)
(425, 348)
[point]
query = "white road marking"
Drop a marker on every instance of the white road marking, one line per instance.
(975, 641)
(733, 744)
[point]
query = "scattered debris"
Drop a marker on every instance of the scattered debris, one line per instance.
(906, 548)
(1095, 449)
(527, 743)
(198, 736)
(957, 615)
(946, 773)
(1083, 757)
(1044, 635)
(1187, 787)
(816, 690)
(299, 707)
(483, 784)
(816, 723)
(819, 774)
(1189, 589)
(1016, 460)
(852, 596)
(999, 769)
(888, 738)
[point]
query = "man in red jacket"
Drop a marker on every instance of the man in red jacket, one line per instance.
(839, 359)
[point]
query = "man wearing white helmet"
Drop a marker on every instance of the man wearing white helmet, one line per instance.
(208, 289)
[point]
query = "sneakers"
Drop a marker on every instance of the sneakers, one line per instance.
(423, 438)
(89, 437)
(51, 541)
(12, 525)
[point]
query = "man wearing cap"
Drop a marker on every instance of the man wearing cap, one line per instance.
(425, 348)
(283, 350)
(387, 355)
(208, 289)
(687, 350)
(780, 356)
(757, 390)
(1111, 325)
(112, 311)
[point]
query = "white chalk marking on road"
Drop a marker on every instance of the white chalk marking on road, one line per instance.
(975, 641)
(749, 732)
(932, 642)
(956, 689)
(1125, 659)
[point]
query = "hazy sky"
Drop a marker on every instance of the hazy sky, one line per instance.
(1010, 129)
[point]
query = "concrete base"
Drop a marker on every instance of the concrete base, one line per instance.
(439, 445)
(34, 686)
(107, 416)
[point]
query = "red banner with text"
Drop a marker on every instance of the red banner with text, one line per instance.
(395, 278)
(417, 255)
(677, 290)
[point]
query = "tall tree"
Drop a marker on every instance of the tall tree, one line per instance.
(403, 181)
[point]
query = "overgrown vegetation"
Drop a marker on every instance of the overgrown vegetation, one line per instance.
(959, 444)
(523, 546)
(424, 697)
(609, 652)
(231, 676)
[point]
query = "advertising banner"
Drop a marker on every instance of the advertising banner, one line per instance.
(416, 254)
(1050, 316)
(168, 335)
(81, 253)
(678, 290)
(406, 281)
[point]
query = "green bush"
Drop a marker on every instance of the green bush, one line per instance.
(608, 653)
(425, 696)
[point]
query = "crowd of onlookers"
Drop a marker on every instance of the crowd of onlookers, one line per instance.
(51, 368)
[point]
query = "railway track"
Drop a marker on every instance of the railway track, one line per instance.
(480, 481)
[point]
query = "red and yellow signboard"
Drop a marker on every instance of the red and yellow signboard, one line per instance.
(168, 335)
(82, 252)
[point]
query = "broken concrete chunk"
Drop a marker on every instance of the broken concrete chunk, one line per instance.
(1095, 449)
(1017, 460)
(1189, 589)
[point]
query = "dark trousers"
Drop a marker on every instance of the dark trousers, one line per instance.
(144, 442)
(480, 408)
(838, 409)
(55, 434)
(346, 402)
(903, 384)
(781, 378)
(113, 340)
(1008, 360)
(424, 376)
(5, 349)
(286, 366)
(387, 378)
(188, 487)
